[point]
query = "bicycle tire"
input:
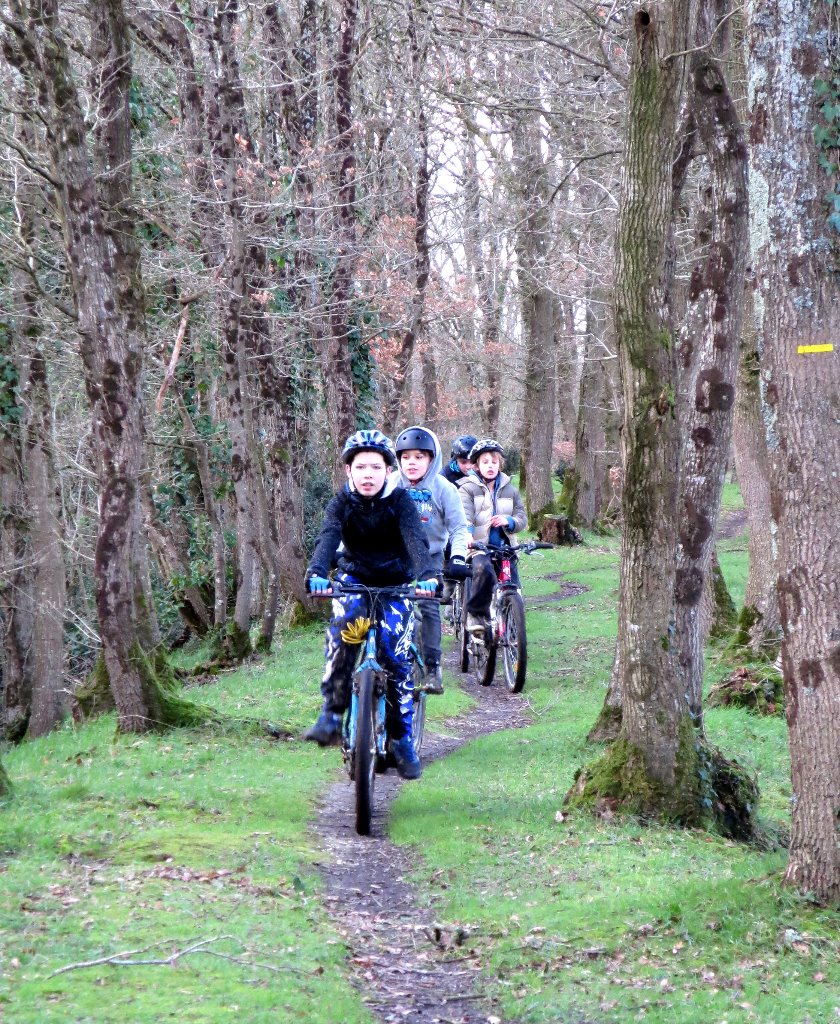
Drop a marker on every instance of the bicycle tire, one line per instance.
(419, 707)
(457, 611)
(485, 660)
(464, 646)
(365, 753)
(515, 647)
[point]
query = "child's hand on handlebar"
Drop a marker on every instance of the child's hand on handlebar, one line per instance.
(425, 588)
(319, 587)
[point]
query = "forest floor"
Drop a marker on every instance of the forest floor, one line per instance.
(400, 957)
(213, 875)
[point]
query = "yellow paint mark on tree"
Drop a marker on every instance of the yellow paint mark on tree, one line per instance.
(807, 350)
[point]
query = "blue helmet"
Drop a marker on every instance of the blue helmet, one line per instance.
(369, 441)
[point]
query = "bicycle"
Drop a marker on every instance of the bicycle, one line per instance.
(507, 621)
(364, 738)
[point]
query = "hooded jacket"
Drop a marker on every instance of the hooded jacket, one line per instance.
(452, 472)
(482, 501)
(379, 540)
(440, 508)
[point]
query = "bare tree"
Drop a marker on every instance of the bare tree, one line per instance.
(110, 334)
(538, 305)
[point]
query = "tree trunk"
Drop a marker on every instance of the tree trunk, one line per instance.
(107, 296)
(485, 272)
(336, 360)
(537, 302)
(589, 435)
(654, 762)
(798, 302)
(566, 361)
(213, 510)
(49, 702)
(653, 712)
(416, 329)
(16, 589)
(760, 615)
(759, 619)
(39, 597)
(709, 347)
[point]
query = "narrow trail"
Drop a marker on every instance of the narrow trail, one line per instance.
(401, 960)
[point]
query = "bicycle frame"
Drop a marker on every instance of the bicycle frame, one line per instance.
(351, 717)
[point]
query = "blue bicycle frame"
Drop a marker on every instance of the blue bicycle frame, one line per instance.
(368, 662)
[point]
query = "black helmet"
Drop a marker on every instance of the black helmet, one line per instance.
(369, 441)
(486, 444)
(416, 438)
(462, 446)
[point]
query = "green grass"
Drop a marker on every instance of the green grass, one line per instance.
(574, 917)
(119, 843)
(113, 843)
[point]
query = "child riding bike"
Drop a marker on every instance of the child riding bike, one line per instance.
(374, 530)
(494, 511)
(442, 514)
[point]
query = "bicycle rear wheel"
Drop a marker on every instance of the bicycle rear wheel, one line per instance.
(464, 636)
(457, 609)
(365, 753)
(514, 641)
(485, 660)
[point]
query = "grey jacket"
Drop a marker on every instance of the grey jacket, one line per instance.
(440, 508)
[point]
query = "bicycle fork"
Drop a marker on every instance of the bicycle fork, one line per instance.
(368, 662)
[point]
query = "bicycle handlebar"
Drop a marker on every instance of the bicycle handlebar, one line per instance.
(404, 591)
(508, 550)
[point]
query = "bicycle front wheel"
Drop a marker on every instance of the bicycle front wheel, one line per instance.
(365, 752)
(419, 709)
(514, 641)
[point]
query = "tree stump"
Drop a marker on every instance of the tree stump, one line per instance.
(558, 530)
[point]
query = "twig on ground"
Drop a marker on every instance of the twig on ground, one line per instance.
(119, 959)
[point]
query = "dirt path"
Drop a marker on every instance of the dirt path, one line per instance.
(731, 523)
(401, 959)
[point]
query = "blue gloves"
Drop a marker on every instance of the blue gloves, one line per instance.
(428, 587)
(318, 585)
(511, 523)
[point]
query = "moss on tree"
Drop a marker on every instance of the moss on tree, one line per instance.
(747, 621)
(536, 519)
(161, 690)
(724, 612)
(93, 697)
(167, 708)
(5, 783)
(230, 644)
(708, 790)
(607, 726)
